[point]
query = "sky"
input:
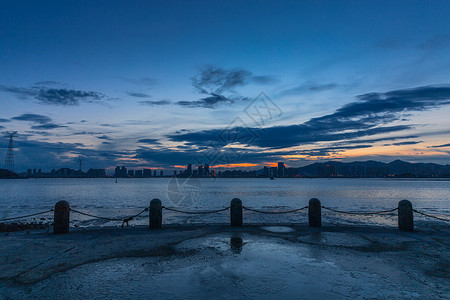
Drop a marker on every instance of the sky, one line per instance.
(235, 84)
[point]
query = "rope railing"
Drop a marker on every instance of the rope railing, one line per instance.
(124, 221)
(62, 214)
(195, 212)
(274, 212)
(27, 216)
(431, 216)
(360, 213)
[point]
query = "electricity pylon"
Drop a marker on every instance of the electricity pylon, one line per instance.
(9, 161)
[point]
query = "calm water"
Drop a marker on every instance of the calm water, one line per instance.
(104, 197)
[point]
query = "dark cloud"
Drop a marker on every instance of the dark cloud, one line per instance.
(441, 146)
(47, 126)
(220, 85)
(209, 102)
(2, 127)
(35, 118)
(441, 41)
(55, 96)
(407, 143)
(359, 119)
(308, 87)
(4, 120)
(138, 95)
(155, 102)
(149, 141)
(104, 137)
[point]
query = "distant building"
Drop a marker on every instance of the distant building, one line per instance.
(206, 169)
(138, 173)
(117, 172)
(266, 172)
(200, 170)
(161, 173)
(147, 173)
(189, 169)
(131, 173)
(154, 173)
(281, 169)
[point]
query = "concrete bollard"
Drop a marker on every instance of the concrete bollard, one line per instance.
(236, 212)
(405, 216)
(314, 213)
(61, 217)
(155, 220)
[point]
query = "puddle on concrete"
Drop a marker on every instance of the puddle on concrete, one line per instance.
(225, 266)
(278, 229)
(335, 239)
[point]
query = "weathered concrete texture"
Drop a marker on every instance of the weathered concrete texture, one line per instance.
(226, 262)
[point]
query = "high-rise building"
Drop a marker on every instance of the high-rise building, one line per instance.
(161, 173)
(200, 170)
(147, 173)
(281, 169)
(189, 169)
(130, 173)
(206, 169)
(138, 173)
(266, 171)
(117, 172)
(123, 172)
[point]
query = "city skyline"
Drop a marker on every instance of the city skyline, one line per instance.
(231, 84)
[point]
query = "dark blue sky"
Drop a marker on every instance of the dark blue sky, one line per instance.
(157, 83)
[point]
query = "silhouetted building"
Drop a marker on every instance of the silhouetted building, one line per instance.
(200, 170)
(161, 173)
(206, 169)
(130, 173)
(281, 169)
(147, 173)
(189, 169)
(138, 173)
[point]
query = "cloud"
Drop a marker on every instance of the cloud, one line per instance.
(149, 141)
(366, 117)
(138, 95)
(44, 122)
(45, 83)
(209, 102)
(441, 146)
(35, 118)
(55, 96)
(308, 87)
(104, 137)
(440, 41)
(4, 120)
(2, 127)
(155, 102)
(47, 126)
(220, 85)
(407, 143)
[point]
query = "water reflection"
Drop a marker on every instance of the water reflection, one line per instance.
(236, 244)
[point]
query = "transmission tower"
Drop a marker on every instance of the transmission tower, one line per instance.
(9, 161)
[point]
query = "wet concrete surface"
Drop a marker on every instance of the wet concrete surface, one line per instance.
(221, 262)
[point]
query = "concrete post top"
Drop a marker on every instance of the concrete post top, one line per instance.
(404, 203)
(314, 201)
(155, 201)
(236, 201)
(62, 204)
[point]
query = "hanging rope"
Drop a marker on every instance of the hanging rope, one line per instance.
(360, 213)
(430, 216)
(27, 216)
(124, 221)
(196, 212)
(274, 212)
